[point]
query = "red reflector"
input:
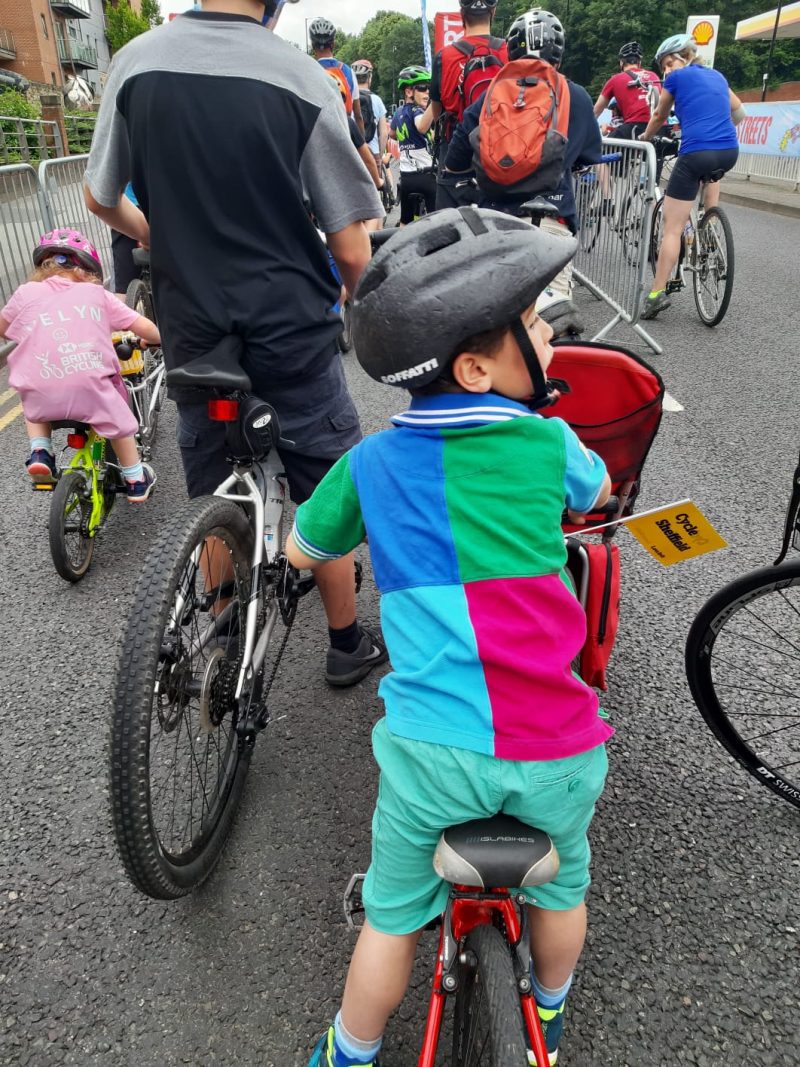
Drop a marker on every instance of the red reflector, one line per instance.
(223, 410)
(76, 440)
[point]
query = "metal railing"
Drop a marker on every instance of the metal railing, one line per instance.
(70, 51)
(785, 169)
(73, 8)
(615, 208)
(80, 130)
(29, 140)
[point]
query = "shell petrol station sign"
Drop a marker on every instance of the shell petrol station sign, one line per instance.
(705, 30)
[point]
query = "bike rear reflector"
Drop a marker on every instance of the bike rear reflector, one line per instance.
(223, 410)
(76, 440)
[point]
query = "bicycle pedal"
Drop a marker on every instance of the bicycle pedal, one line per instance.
(353, 902)
(43, 487)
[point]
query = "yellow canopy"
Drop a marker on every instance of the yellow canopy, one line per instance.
(760, 27)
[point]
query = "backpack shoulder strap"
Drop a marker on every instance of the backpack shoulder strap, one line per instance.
(466, 48)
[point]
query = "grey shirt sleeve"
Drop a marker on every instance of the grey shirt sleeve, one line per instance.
(338, 184)
(109, 166)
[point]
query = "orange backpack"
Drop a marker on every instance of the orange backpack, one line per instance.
(519, 145)
(343, 85)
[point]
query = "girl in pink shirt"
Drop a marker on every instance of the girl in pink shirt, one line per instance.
(64, 366)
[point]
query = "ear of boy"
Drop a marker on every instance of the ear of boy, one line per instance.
(472, 372)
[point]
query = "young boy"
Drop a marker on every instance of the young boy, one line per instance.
(411, 125)
(462, 503)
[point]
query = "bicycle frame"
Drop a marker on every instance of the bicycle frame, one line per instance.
(466, 909)
(155, 378)
(91, 462)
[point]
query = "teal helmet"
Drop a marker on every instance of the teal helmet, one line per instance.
(677, 43)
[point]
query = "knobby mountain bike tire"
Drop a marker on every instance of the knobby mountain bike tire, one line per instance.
(712, 278)
(742, 665)
(177, 763)
(488, 1027)
(70, 509)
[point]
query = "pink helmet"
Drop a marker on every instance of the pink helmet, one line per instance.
(68, 243)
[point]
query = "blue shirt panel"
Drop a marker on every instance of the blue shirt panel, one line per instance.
(703, 107)
(405, 129)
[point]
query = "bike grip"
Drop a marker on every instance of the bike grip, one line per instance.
(124, 351)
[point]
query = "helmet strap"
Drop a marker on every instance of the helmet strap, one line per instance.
(543, 394)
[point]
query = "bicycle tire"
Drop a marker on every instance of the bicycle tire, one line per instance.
(591, 217)
(70, 510)
(139, 297)
(711, 636)
(712, 315)
(155, 690)
(495, 1036)
(346, 336)
(656, 232)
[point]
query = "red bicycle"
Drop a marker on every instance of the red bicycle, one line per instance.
(484, 954)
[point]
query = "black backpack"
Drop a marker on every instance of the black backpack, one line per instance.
(368, 114)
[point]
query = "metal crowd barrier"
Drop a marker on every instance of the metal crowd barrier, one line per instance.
(31, 204)
(61, 181)
(615, 208)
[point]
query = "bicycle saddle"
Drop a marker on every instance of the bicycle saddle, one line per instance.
(219, 369)
(501, 851)
(141, 257)
(540, 206)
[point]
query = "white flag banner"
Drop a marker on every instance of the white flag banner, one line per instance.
(705, 30)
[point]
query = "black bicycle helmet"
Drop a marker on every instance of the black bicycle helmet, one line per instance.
(631, 52)
(537, 34)
(478, 7)
(462, 271)
(321, 31)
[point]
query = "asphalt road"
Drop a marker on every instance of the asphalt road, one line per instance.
(693, 951)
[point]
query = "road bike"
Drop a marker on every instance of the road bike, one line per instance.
(742, 665)
(483, 959)
(211, 616)
(706, 252)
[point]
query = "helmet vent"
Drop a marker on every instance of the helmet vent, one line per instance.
(438, 239)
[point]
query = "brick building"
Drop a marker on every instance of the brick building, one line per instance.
(47, 41)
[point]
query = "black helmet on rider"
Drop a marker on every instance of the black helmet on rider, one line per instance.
(478, 7)
(537, 34)
(631, 52)
(464, 271)
(322, 32)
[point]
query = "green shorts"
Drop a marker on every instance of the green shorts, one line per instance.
(424, 788)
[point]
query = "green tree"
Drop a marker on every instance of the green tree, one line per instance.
(151, 13)
(123, 24)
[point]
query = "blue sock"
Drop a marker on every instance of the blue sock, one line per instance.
(134, 473)
(349, 1051)
(549, 998)
(44, 443)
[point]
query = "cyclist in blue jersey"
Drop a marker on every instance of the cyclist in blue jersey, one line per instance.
(411, 125)
(708, 111)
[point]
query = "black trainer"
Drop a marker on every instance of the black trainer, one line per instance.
(347, 668)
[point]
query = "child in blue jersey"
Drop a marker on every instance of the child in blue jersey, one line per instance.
(411, 126)
(708, 112)
(461, 503)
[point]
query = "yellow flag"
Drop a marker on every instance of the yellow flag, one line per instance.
(676, 532)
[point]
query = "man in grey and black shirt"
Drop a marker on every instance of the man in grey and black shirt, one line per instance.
(225, 132)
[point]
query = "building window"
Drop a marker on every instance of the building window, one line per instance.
(44, 26)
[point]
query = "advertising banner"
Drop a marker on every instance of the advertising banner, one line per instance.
(426, 36)
(705, 30)
(771, 130)
(448, 28)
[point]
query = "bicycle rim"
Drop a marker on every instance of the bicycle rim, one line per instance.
(177, 761)
(488, 1029)
(742, 663)
(656, 233)
(712, 277)
(70, 511)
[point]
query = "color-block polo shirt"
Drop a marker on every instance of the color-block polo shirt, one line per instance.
(462, 504)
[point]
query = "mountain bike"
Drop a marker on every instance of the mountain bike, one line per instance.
(483, 960)
(706, 252)
(211, 616)
(742, 665)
